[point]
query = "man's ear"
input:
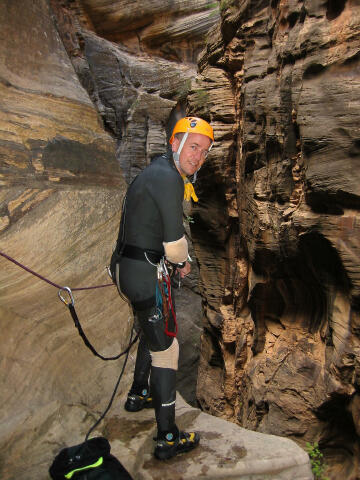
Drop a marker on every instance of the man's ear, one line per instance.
(175, 144)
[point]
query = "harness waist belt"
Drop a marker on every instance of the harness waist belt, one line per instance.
(138, 253)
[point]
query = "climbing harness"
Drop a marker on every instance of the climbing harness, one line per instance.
(164, 301)
(138, 253)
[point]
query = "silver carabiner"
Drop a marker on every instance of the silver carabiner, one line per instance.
(164, 268)
(160, 268)
(69, 292)
(109, 271)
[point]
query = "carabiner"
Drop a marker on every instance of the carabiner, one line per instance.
(108, 271)
(160, 269)
(164, 269)
(69, 292)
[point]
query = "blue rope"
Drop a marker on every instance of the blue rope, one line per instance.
(158, 297)
(159, 301)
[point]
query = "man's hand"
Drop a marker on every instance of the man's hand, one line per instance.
(184, 271)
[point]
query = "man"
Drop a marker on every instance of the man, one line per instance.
(151, 229)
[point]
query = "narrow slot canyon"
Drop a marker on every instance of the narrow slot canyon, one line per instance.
(269, 318)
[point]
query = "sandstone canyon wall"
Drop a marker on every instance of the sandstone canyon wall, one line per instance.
(276, 231)
(61, 194)
(137, 61)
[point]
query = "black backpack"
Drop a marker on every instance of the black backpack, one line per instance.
(90, 460)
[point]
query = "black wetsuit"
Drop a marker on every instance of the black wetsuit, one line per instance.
(152, 214)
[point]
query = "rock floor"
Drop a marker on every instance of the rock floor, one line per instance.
(225, 451)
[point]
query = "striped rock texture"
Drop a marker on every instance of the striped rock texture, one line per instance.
(136, 60)
(173, 29)
(61, 194)
(276, 231)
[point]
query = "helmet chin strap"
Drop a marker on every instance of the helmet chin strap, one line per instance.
(176, 155)
(195, 176)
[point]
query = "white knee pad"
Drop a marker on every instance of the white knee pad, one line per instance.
(168, 358)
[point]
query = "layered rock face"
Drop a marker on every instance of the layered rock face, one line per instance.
(277, 228)
(61, 194)
(174, 30)
(121, 52)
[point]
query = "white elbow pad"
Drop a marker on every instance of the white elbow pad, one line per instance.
(176, 252)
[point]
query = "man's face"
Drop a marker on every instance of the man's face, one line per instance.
(193, 153)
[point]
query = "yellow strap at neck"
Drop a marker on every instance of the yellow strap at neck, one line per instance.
(189, 191)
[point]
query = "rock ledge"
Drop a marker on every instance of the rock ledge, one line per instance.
(226, 450)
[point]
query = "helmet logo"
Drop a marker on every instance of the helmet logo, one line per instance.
(193, 123)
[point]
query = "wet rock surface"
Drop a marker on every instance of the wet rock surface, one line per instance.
(225, 450)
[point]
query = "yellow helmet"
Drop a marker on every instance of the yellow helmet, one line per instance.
(192, 125)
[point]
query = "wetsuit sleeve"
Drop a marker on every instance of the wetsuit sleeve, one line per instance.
(169, 195)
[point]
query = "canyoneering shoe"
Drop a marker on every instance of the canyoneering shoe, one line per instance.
(170, 446)
(135, 402)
